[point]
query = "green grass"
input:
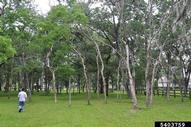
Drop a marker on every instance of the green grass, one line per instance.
(42, 112)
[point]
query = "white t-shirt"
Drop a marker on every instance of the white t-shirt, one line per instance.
(22, 96)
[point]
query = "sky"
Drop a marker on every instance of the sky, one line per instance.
(43, 6)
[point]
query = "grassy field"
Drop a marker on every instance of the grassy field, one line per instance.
(42, 112)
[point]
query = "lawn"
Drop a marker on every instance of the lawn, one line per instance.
(42, 112)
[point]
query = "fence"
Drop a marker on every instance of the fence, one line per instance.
(162, 91)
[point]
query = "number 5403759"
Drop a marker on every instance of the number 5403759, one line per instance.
(172, 124)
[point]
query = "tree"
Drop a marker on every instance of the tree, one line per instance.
(55, 33)
(13, 18)
(6, 49)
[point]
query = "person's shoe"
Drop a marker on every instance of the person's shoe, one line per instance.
(20, 109)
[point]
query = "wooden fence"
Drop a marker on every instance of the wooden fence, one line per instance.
(162, 91)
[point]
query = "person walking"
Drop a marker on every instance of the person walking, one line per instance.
(22, 98)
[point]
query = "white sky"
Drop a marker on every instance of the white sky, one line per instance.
(43, 6)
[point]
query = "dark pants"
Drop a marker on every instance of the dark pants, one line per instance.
(21, 106)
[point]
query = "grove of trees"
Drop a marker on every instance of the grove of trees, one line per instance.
(119, 43)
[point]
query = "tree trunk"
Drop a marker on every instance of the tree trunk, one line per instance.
(180, 87)
(26, 78)
(7, 85)
(28, 86)
(69, 95)
(19, 80)
(67, 89)
(47, 69)
(54, 85)
(87, 85)
(148, 71)
(149, 93)
(131, 79)
(86, 81)
(98, 72)
(101, 86)
(79, 84)
(107, 85)
(102, 71)
(181, 91)
(148, 77)
(186, 82)
(118, 76)
(168, 87)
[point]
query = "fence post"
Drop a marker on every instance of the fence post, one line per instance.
(174, 92)
(163, 91)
